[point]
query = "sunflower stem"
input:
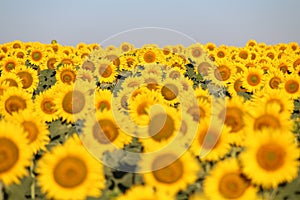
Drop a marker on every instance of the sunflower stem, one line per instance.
(32, 188)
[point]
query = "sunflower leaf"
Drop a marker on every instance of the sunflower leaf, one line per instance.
(20, 191)
(289, 191)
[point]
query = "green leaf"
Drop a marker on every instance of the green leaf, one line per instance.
(289, 191)
(20, 191)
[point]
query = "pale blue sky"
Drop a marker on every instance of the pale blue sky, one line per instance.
(229, 22)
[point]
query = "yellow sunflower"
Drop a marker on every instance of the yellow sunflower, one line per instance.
(253, 79)
(15, 154)
(199, 110)
(236, 85)
(169, 172)
(153, 69)
(9, 63)
(29, 78)
(11, 79)
(70, 172)
(140, 192)
(73, 103)
(105, 71)
(195, 52)
(35, 129)
(225, 181)
(150, 55)
(14, 100)
(292, 86)
(128, 62)
(51, 61)
(102, 133)
(126, 46)
(271, 157)
(37, 55)
(221, 74)
(211, 142)
(66, 74)
(171, 91)
(103, 100)
(274, 79)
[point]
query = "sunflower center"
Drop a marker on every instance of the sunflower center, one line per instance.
(270, 156)
(73, 102)
(103, 105)
(161, 127)
(149, 57)
(238, 86)
(203, 68)
(169, 92)
(167, 173)
(222, 73)
(130, 62)
(10, 66)
(291, 86)
(243, 55)
(9, 154)
(31, 129)
(174, 74)
(70, 172)
(20, 55)
(88, 65)
(36, 56)
(208, 140)
(50, 63)
(47, 106)
(11, 82)
(14, 104)
(196, 53)
(253, 79)
(221, 54)
(233, 118)
(67, 61)
(274, 82)
(266, 121)
(68, 76)
(105, 70)
(196, 112)
(105, 131)
(26, 78)
(232, 185)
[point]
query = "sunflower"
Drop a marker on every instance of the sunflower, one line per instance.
(103, 100)
(221, 74)
(66, 74)
(15, 154)
(126, 47)
(140, 192)
(195, 52)
(200, 110)
(177, 62)
(168, 172)
(105, 71)
(51, 61)
(271, 157)
(151, 81)
(236, 85)
(292, 86)
(202, 94)
(210, 46)
(14, 100)
(220, 53)
(68, 59)
(35, 129)
(11, 79)
(225, 181)
(153, 69)
(140, 106)
(261, 116)
(70, 172)
(211, 141)
(73, 103)
(171, 91)
(28, 76)
(113, 56)
(45, 106)
(3, 86)
(37, 55)
(128, 61)
(253, 79)
(9, 63)
(20, 54)
(103, 133)
(274, 79)
(132, 82)
(17, 44)
(164, 126)
(150, 55)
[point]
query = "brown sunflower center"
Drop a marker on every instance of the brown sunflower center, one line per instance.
(238, 86)
(11, 82)
(209, 139)
(221, 54)
(233, 118)
(31, 129)
(50, 63)
(149, 57)
(68, 76)
(105, 131)
(73, 102)
(9, 154)
(222, 73)
(103, 105)
(105, 70)
(10, 66)
(274, 82)
(161, 127)
(270, 156)
(70, 172)
(47, 106)
(67, 61)
(266, 120)
(196, 52)
(196, 112)
(203, 68)
(14, 104)
(174, 74)
(88, 65)
(20, 55)
(232, 185)
(291, 86)
(243, 55)
(36, 55)
(169, 92)
(167, 173)
(26, 78)
(253, 79)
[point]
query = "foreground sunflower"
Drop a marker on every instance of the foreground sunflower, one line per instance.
(70, 172)
(225, 181)
(270, 157)
(15, 154)
(170, 172)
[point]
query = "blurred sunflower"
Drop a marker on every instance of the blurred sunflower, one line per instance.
(169, 172)
(171, 91)
(70, 172)
(11, 79)
(271, 157)
(225, 181)
(150, 55)
(292, 86)
(105, 71)
(128, 62)
(195, 52)
(103, 100)
(66, 74)
(15, 154)
(126, 46)
(274, 79)
(236, 85)
(14, 100)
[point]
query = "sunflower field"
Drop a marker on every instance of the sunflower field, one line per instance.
(172, 122)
